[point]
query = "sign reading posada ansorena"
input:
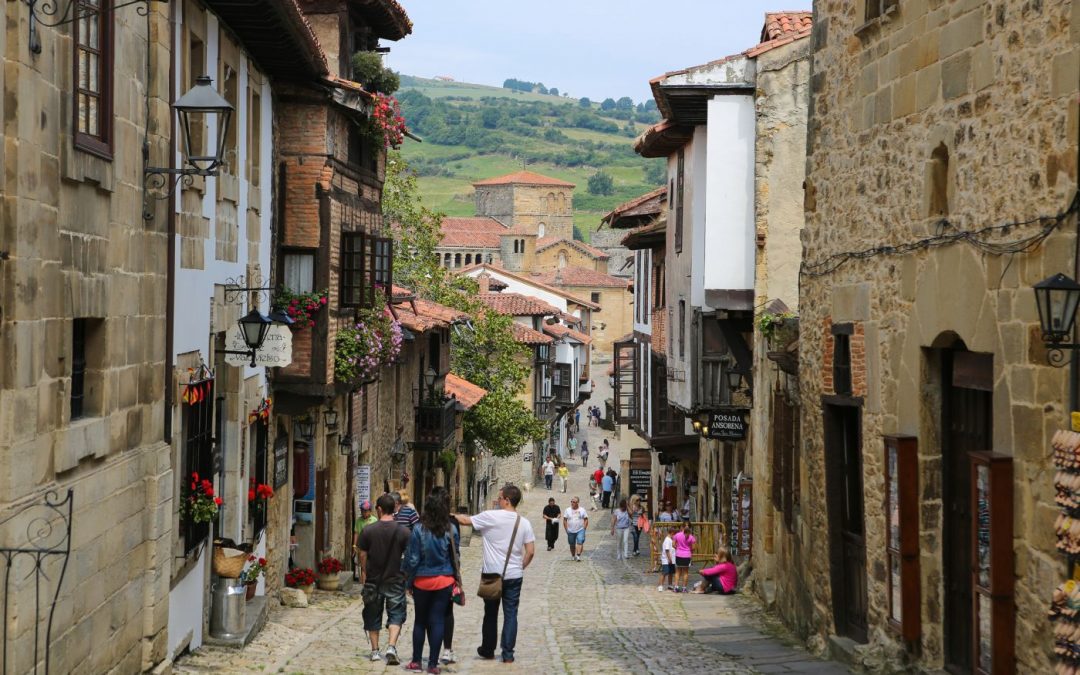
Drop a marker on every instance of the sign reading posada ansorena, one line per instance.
(728, 425)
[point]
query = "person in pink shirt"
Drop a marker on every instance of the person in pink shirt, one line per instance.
(721, 576)
(684, 553)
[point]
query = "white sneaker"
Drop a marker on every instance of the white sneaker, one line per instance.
(391, 656)
(660, 589)
(448, 656)
(375, 655)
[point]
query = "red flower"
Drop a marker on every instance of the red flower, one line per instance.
(217, 500)
(251, 495)
(262, 561)
(193, 486)
(194, 476)
(322, 300)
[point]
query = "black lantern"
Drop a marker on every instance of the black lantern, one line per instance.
(345, 445)
(697, 425)
(330, 418)
(201, 103)
(734, 379)
(305, 428)
(254, 327)
(281, 316)
(1057, 298)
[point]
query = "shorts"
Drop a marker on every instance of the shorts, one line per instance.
(667, 570)
(682, 562)
(576, 537)
(392, 596)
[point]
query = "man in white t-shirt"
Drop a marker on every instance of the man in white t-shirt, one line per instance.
(549, 472)
(575, 522)
(496, 527)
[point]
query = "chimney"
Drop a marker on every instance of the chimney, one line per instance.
(484, 279)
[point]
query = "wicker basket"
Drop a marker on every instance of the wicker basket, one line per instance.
(229, 562)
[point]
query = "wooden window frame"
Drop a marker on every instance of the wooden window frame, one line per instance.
(902, 534)
(198, 454)
(100, 144)
(680, 180)
(372, 267)
(627, 371)
(311, 252)
(842, 359)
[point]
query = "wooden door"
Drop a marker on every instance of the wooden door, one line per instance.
(847, 533)
(967, 420)
(322, 512)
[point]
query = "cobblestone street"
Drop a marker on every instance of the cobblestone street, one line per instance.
(601, 615)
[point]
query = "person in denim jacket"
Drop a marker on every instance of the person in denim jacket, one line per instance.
(430, 576)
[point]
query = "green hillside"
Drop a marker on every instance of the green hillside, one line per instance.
(471, 132)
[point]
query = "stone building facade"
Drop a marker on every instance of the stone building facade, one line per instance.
(82, 325)
(540, 203)
(928, 124)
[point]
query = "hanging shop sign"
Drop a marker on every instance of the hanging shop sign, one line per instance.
(639, 481)
(275, 352)
(281, 462)
(728, 425)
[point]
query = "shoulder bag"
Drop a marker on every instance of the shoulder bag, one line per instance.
(490, 582)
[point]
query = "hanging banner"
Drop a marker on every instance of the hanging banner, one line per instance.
(363, 484)
(276, 350)
(281, 462)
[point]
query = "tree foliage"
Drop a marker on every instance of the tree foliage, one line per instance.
(485, 352)
(600, 183)
(368, 68)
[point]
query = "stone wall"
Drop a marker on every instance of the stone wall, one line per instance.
(71, 222)
(995, 86)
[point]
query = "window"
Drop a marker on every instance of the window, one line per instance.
(540, 229)
(842, 360)
(596, 298)
(299, 271)
(627, 406)
(877, 8)
(257, 512)
(366, 265)
(93, 38)
(457, 260)
(198, 420)
(680, 181)
(516, 246)
(658, 286)
(78, 367)
(196, 66)
(468, 259)
(229, 84)
(939, 181)
(785, 456)
(255, 137)
(682, 329)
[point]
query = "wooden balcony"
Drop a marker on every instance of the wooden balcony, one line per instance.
(435, 425)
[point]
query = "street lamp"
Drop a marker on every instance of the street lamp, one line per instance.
(330, 418)
(203, 103)
(305, 428)
(734, 379)
(345, 445)
(1057, 298)
(429, 380)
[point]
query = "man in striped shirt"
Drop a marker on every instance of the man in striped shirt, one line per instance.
(405, 515)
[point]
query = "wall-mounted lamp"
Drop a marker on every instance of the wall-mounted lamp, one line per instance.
(330, 418)
(345, 445)
(1057, 298)
(697, 425)
(305, 428)
(734, 379)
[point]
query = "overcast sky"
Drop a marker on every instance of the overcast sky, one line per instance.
(594, 48)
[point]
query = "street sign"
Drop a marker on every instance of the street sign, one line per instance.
(728, 425)
(640, 479)
(281, 462)
(276, 350)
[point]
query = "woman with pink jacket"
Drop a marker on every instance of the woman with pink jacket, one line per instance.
(721, 577)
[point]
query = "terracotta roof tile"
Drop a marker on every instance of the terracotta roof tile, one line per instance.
(421, 315)
(472, 224)
(523, 178)
(547, 242)
(528, 336)
(558, 330)
(471, 233)
(534, 282)
(650, 203)
(569, 319)
(572, 275)
(388, 16)
(783, 24)
(516, 304)
(467, 393)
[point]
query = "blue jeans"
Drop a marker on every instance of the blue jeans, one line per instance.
(547, 480)
(636, 533)
(430, 621)
(511, 597)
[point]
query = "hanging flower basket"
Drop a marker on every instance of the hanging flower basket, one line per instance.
(199, 504)
(386, 122)
(364, 348)
(301, 307)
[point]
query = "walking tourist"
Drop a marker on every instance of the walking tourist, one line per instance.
(549, 473)
(406, 515)
(640, 522)
(575, 522)
(508, 550)
(603, 454)
(577, 419)
(597, 475)
(365, 518)
(684, 553)
(564, 475)
(667, 560)
(571, 443)
(584, 452)
(552, 512)
(620, 524)
(607, 484)
(457, 596)
(594, 495)
(431, 573)
(721, 577)
(382, 544)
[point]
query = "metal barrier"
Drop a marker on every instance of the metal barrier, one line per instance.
(710, 537)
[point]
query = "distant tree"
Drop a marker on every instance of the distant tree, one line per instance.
(584, 102)
(600, 183)
(554, 91)
(650, 104)
(608, 104)
(540, 88)
(490, 118)
(625, 103)
(656, 173)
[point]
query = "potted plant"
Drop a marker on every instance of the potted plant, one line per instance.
(200, 504)
(328, 573)
(250, 576)
(258, 494)
(302, 578)
(301, 307)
